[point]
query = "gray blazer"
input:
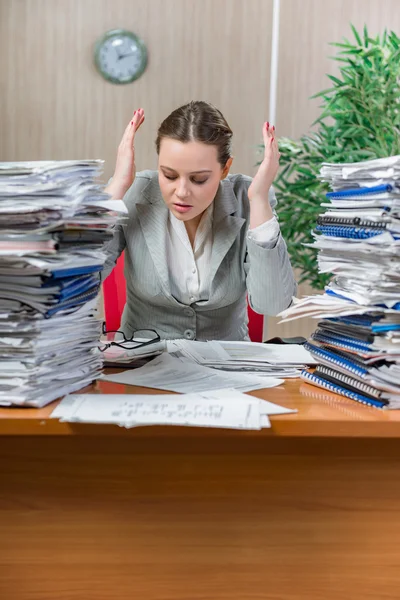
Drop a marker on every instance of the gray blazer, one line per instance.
(238, 267)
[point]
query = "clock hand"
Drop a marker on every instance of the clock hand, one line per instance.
(125, 55)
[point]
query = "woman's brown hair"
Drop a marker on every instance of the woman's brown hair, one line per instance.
(201, 122)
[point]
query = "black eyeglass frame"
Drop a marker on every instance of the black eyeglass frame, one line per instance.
(125, 341)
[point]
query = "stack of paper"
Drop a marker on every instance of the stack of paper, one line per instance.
(54, 220)
(357, 342)
(264, 360)
(173, 374)
(225, 408)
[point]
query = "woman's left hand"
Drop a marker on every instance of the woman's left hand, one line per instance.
(268, 169)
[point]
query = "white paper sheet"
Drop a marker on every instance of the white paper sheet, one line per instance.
(226, 408)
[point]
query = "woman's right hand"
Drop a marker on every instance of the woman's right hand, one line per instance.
(125, 169)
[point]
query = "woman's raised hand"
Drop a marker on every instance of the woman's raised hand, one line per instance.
(125, 169)
(268, 169)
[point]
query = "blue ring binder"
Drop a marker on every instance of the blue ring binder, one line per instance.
(361, 191)
(355, 233)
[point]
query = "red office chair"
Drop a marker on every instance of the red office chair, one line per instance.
(115, 295)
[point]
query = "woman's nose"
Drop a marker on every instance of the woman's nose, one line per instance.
(182, 190)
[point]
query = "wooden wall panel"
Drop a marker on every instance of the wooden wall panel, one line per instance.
(306, 29)
(55, 105)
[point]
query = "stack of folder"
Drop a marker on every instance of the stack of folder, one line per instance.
(357, 340)
(54, 221)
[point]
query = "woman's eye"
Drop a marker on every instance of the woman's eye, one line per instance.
(171, 178)
(199, 181)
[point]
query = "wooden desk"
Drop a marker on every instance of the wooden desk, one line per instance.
(307, 510)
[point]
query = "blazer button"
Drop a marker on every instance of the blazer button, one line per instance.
(189, 334)
(189, 312)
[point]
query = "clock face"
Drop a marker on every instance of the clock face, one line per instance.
(120, 56)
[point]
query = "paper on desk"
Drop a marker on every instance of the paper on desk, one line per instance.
(172, 374)
(242, 352)
(274, 354)
(270, 408)
(118, 354)
(114, 205)
(263, 360)
(222, 408)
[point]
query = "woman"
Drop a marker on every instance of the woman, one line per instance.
(198, 242)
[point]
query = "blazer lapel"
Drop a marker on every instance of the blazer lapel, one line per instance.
(153, 219)
(225, 226)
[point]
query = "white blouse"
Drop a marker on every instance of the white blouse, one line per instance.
(188, 266)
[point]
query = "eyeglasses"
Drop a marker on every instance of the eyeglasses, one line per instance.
(139, 339)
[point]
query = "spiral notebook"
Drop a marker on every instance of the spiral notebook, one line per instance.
(341, 342)
(350, 383)
(361, 191)
(339, 389)
(348, 364)
(355, 233)
(347, 221)
(361, 333)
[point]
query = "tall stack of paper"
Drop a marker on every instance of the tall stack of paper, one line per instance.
(54, 220)
(357, 342)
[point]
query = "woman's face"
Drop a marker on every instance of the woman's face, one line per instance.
(189, 174)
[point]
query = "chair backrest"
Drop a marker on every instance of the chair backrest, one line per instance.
(114, 291)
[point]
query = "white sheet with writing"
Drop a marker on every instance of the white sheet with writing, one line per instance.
(222, 408)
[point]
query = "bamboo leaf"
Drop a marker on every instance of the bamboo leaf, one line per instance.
(323, 93)
(357, 37)
(336, 80)
(366, 39)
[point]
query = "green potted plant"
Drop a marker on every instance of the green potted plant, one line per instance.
(360, 120)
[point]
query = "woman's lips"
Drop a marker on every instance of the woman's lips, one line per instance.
(182, 208)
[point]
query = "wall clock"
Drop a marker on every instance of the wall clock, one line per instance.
(120, 56)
